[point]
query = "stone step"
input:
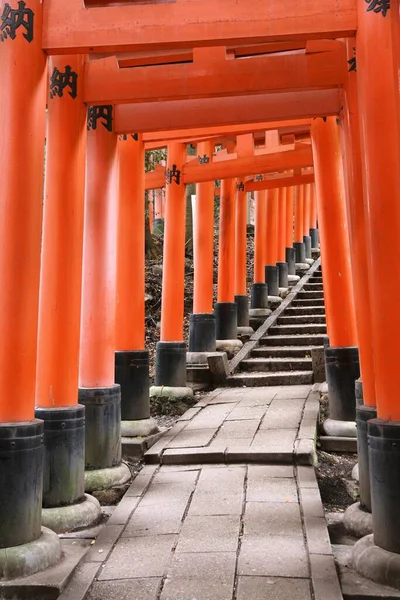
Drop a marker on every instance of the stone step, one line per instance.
(283, 351)
(310, 295)
(276, 364)
(298, 329)
(300, 319)
(267, 379)
(308, 302)
(304, 311)
(313, 287)
(293, 340)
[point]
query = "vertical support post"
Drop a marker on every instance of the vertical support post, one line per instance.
(290, 251)
(341, 357)
(313, 219)
(98, 392)
(225, 308)
(271, 254)
(283, 271)
(306, 220)
(241, 298)
(202, 334)
(60, 302)
(299, 245)
(259, 290)
(22, 126)
(158, 222)
(171, 349)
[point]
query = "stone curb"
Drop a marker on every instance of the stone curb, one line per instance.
(271, 320)
(305, 452)
(324, 577)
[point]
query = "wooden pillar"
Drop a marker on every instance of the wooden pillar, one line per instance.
(271, 254)
(289, 216)
(307, 209)
(281, 224)
(260, 229)
(241, 256)
(299, 214)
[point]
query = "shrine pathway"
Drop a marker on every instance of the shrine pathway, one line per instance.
(243, 522)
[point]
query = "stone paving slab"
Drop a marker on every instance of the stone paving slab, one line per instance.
(264, 424)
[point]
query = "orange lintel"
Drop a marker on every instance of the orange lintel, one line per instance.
(213, 112)
(279, 182)
(106, 83)
(71, 27)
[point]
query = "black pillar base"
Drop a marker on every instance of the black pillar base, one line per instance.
(363, 415)
(300, 252)
(64, 455)
(342, 369)
(202, 333)
(226, 320)
(21, 482)
(259, 296)
(314, 234)
(359, 393)
(242, 303)
(132, 374)
(158, 226)
(170, 364)
(283, 273)
(103, 426)
(384, 468)
(291, 261)
(271, 279)
(307, 245)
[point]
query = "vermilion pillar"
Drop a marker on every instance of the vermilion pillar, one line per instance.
(98, 392)
(271, 254)
(313, 219)
(158, 221)
(299, 245)
(171, 350)
(306, 219)
(60, 301)
(241, 298)
(22, 114)
(377, 60)
(259, 290)
(131, 358)
(226, 309)
(290, 252)
(283, 271)
(202, 321)
(342, 356)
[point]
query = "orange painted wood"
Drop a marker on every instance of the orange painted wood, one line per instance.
(173, 283)
(313, 211)
(159, 202)
(106, 83)
(299, 214)
(240, 239)
(99, 261)
(22, 103)
(62, 245)
(278, 182)
(271, 251)
(203, 239)
(335, 251)
(71, 27)
(281, 253)
(307, 209)
(360, 248)
(130, 309)
(260, 229)
(378, 97)
(289, 216)
(211, 112)
(226, 254)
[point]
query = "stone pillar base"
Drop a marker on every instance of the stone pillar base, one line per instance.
(81, 515)
(33, 557)
(357, 521)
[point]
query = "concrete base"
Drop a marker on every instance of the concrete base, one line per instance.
(355, 473)
(375, 563)
(283, 292)
(104, 479)
(133, 448)
(302, 267)
(260, 312)
(28, 559)
(140, 428)
(357, 522)
(274, 301)
(196, 358)
(323, 388)
(81, 515)
(231, 347)
(335, 428)
(242, 331)
(165, 391)
(310, 261)
(318, 364)
(293, 279)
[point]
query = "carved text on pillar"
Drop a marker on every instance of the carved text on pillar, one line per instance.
(102, 113)
(173, 174)
(353, 62)
(14, 18)
(60, 80)
(378, 6)
(124, 137)
(203, 160)
(240, 187)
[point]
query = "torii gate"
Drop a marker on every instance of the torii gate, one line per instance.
(30, 29)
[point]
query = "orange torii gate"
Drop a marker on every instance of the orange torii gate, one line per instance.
(30, 29)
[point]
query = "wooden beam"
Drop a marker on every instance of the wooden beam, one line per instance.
(279, 182)
(211, 112)
(72, 27)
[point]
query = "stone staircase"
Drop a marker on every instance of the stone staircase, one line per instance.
(284, 354)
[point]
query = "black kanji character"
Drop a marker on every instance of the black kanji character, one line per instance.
(100, 112)
(240, 187)
(124, 136)
(173, 173)
(14, 18)
(378, 6)
(60, 80)
(203, 160)
(353, 62)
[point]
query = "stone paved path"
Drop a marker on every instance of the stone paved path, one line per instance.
(225, 530)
